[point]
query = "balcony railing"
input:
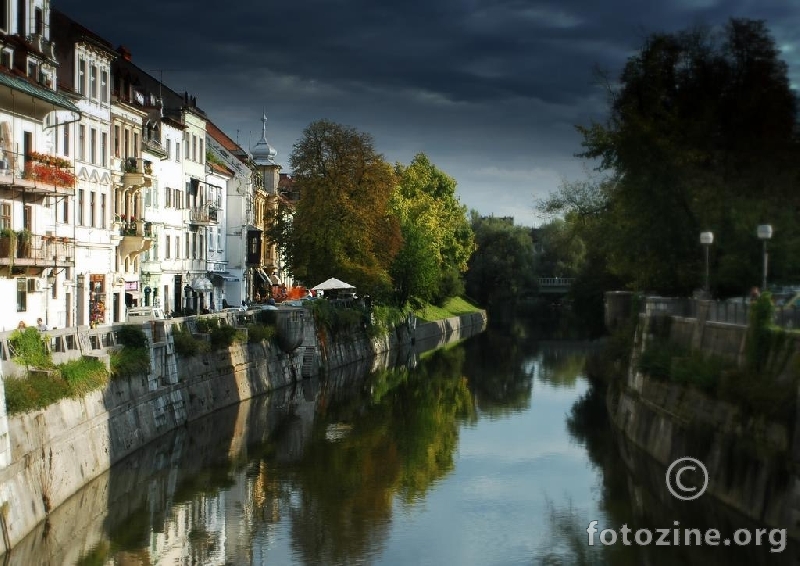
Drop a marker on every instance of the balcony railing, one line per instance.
(206, 214)
(38, 172)
(36, 250)
(136, 172)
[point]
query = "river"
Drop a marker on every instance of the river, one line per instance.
(495, 450)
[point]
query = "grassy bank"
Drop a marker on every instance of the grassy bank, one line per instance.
(454, 306)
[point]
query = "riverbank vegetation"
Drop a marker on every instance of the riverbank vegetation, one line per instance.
(700, 136)
(44, 382)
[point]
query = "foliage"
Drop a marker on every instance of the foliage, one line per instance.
(130, 362)
(454, 306)
(337, 318)
(187, 345)
(341, 227)
(501, 269)
(132, 337)
(437, 237)
(41, 389)
(205, 324)
(223, 336)
(29, 348)
(666, 361)
(700, 137)
(257, 333)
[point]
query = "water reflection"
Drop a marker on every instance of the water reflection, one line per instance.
(491, 451)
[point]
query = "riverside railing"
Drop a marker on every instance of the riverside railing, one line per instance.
(731, 311)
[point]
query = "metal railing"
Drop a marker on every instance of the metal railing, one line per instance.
(732, 311)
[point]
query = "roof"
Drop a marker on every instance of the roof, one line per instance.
(220, 168)
(221, 137)
(23, 85)
(331, 285)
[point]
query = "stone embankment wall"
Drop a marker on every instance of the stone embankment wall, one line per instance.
(51, 453)
(752, 463)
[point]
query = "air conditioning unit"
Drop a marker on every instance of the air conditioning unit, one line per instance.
(34, 285)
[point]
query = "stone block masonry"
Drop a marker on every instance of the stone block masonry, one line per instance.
(47, 455)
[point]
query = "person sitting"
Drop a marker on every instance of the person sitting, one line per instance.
(40, 325)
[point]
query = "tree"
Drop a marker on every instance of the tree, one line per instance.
(700, 136)
(438, 237)
(501, 269)
(341, 226)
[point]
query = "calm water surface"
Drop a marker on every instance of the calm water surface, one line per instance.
(492, 451)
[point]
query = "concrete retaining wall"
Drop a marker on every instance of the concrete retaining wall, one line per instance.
(54, 452)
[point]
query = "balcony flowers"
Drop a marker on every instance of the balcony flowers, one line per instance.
(49, 169)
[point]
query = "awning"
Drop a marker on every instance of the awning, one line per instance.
(202, 284)
(44, 94)
(222, 276)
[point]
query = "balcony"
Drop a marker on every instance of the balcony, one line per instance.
(135, 237)
(39, 174)
(25, 253)
(205, 215)
(136, 172)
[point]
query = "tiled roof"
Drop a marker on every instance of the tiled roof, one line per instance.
(221, 137)
(220, 168)
(23, 85)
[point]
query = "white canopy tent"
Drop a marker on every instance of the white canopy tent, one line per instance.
(332, 284)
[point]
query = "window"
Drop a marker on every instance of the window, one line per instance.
(38, 21)
(116, 141)
(194, 147)
(169, 148)
(219, 240)
(80, 206)
(66, 140)
(22, 294)
(4, 16)
(93, 82)
(82, 142)
(127, 143)
(33, 70)
(104, 149)
(177, 248)
(176, 198)
(92, 208)
(65, 210)
(103, 210)
(202, 155)
(167, 249)
(5, 216)
(104, 86)
(135, 144)
(82, 76)
(177, 151)
(186, 145)
(200, 247)
(5, 57)
(187, 256)
(93, 146)
(168, 197)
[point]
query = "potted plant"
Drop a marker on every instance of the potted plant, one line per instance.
(8, 239)
(24, 238)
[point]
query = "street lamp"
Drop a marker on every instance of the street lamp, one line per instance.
(764, 233)
(707, 238)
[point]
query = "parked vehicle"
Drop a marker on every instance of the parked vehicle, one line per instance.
(143, 314)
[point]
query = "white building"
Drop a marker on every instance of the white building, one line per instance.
(37, 245)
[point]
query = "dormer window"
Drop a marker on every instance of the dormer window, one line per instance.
(33, 70)
(93, 82)
(5, 58)
(82, 76)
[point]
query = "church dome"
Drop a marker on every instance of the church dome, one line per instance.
(263, 153)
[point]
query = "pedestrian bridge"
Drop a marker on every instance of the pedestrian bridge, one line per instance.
(555, 285)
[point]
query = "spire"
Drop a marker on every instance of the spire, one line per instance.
(263, 153)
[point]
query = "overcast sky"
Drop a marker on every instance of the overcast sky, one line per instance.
(490, 90)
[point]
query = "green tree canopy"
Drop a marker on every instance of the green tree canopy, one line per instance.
(438, 239)
(341, 226)
(700, 137)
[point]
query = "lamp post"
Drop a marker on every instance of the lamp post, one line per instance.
(764, 233)
(707, 238)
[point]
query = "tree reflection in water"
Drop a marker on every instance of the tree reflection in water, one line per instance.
(396, 446)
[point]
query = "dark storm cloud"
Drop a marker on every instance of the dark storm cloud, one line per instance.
(490, 89)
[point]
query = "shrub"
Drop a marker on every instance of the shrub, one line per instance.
(38, 390)
(222, 337)
(259, 333)
(84, 375)
(205, 325)
(130, 362)
(132, 337)
(29, 348)
(185, 344)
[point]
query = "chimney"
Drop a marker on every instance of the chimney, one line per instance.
(124, 52)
